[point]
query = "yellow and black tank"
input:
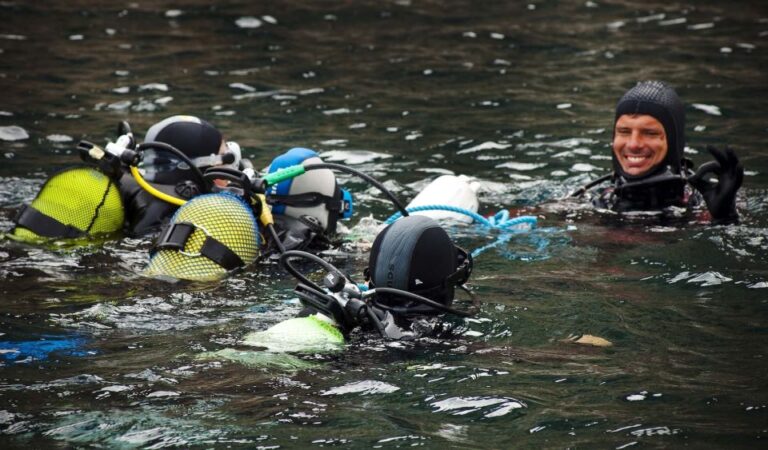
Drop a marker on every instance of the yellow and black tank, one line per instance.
(209, 236)
(76, 203)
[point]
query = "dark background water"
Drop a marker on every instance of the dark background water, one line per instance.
(404, 90)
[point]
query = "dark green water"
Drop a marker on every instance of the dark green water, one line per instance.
(403, 90)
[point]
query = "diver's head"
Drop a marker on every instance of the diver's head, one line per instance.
(415, 254)
(200, 141)
(649, 131)
(313, 194)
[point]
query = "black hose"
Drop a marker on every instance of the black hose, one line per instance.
(275, 237)
(376, 321)
(369, 179)
(418, 298)
(178, 153)
(284, 261)
(578, 192)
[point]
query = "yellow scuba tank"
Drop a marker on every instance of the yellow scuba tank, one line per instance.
(74, 203)
(207, 237)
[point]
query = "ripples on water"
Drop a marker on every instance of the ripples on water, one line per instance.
(519, 95)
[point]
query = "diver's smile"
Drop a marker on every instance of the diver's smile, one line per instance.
(639, 143)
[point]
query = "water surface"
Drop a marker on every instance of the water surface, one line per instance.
(521, 96)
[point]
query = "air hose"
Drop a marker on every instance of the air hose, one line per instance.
(294, 171)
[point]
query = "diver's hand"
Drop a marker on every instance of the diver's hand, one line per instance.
(720, 196)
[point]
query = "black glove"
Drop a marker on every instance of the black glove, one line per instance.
(720, 196)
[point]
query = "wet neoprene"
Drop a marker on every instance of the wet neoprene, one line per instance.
(720, 196)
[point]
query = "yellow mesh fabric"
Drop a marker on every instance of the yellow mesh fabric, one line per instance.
(227, 219)
(81, 197)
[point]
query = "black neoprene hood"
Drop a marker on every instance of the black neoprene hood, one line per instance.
(414, 254)
(194, 137)
(656, 99)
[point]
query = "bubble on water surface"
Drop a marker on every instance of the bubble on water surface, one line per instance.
(154, 87)
(709, 109)
(651, 18)
(677, 21)
(119, 106)
(242, 86)
(521, 166)
(160, 394)
(248, 22)
(13, 133)
(352, 157)
(59, 138)
(701, 26)
(489, 145)
(583, 167)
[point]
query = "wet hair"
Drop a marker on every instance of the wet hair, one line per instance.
(660, 101)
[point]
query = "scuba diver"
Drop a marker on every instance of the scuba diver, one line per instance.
(102, 198)
(220, 231)
(202, 144)
(649, 169)
(137, 188)
(413, 271)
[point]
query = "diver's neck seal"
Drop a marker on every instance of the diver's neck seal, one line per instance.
(662, 189)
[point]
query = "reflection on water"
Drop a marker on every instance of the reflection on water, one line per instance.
(520, 95)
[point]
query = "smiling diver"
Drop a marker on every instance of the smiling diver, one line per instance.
(649, 169)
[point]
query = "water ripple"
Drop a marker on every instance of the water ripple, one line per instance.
(491, 406)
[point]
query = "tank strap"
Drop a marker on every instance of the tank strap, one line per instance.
(43, 225)
(176, 235)
(307, 199)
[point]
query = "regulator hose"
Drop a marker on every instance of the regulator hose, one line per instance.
(374, 182)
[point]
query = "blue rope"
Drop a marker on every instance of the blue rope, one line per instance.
(500, 221)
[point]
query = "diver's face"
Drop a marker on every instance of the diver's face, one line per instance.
(639, 143)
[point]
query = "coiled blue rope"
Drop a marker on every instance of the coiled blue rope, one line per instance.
(500, 221)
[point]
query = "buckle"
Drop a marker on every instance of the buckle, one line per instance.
(176, 237)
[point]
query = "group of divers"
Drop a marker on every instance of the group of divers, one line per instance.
(212, 213)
